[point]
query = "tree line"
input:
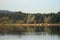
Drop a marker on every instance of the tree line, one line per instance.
(8, 17)
(20, 17)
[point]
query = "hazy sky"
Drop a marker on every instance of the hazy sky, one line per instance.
(42, 6)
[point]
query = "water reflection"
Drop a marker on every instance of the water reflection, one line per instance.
(34, 33)
(19, 30)
(31, 36)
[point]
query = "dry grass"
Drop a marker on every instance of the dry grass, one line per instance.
(42, 24)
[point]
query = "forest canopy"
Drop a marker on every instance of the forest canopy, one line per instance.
(21, 17)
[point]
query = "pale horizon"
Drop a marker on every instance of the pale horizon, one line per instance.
(31, 6)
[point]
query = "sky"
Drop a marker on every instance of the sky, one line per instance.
(31, 6)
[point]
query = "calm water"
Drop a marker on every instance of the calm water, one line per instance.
(32, 36)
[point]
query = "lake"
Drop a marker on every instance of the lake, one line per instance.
(30, 36)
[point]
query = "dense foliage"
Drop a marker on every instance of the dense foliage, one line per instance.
(9, 17)
(20, 17)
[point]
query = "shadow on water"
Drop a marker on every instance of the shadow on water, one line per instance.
(53, 30)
